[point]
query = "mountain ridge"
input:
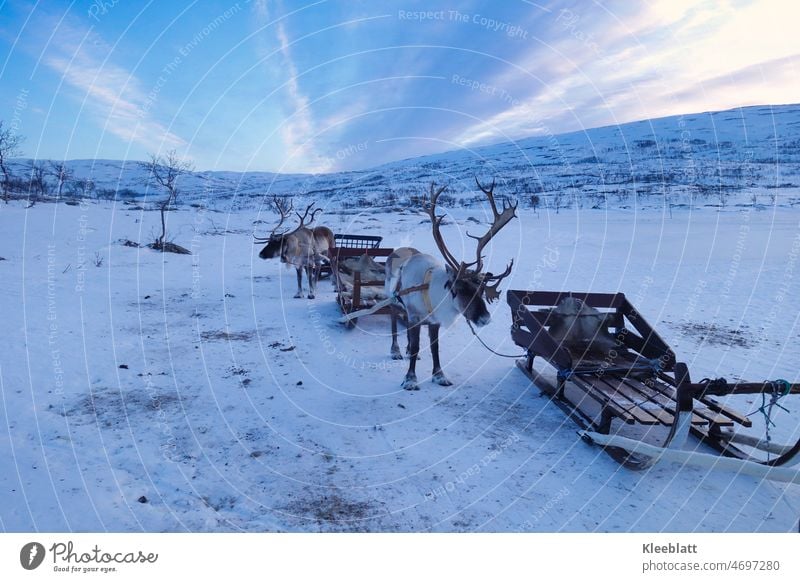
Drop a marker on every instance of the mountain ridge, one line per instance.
(718, 155)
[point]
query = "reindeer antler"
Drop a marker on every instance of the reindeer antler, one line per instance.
(499, 221)
(436, 222)
(491, 292)
(284, 207)
(305, 215)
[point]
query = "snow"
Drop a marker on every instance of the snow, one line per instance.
(156, 392)
(745, 156)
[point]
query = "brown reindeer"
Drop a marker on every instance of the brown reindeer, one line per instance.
(304, 248)
(433, 294)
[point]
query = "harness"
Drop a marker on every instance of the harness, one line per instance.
(424, 289)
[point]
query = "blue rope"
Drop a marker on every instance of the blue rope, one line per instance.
(780, 388)
(565, 373)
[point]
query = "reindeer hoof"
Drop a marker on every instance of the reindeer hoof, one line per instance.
(410, 384)
(440, 379)
(311, 296)
(298, 296)
(396, 355)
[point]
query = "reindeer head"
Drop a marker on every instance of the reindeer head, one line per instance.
(466, 281)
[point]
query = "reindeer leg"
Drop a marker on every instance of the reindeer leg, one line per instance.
(312, 283)
(438, 376)
(410, 382)
(408, 343)
(299, 293)
(395, 351)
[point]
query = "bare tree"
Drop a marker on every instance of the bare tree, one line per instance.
(557, 199)
(62, 174)
(82, 187)
(37, 185)
(165, 171)
(9, 147)
(535, 202)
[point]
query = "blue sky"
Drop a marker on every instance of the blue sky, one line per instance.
(299, 86)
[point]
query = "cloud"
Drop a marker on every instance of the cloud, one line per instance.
(111, 93)
(747, 85)
(597, 66)
(298, 129)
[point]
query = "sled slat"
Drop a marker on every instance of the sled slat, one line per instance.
(712, 404)
(629, 400)
(627, 414)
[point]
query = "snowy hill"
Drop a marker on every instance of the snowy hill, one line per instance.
(742, 156)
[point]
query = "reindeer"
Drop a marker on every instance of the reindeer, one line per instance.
(435, 295)
(304, 248)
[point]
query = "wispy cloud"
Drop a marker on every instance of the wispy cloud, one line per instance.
(298, 129)
(110, 93)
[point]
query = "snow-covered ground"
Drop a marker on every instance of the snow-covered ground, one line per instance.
(158, 392)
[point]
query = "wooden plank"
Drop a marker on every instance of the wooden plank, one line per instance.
(553, 298)
(356, 290)
(743, 388)
(601, 398)
(665, 394)
(713, 418)
(613, 320)
(522, 337)
(725, 411)
(628, 399)
(547, 387)
(541, 343)
(344, 252)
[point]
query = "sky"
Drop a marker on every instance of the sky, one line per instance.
(328, 85)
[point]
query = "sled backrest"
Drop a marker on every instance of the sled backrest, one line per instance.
(534, 313)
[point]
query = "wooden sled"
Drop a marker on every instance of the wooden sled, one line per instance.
(353, 292)
(637, 387)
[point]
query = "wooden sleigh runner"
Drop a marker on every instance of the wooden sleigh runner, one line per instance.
(624, 388)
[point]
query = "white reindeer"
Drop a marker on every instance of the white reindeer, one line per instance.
(435, 295)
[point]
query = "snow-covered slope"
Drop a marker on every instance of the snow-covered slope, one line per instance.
(743, 156)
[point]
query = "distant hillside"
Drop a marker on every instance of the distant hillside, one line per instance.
(741, 156)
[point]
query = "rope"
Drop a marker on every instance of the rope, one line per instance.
(780, 388)
(496, 353)
(717, 383)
